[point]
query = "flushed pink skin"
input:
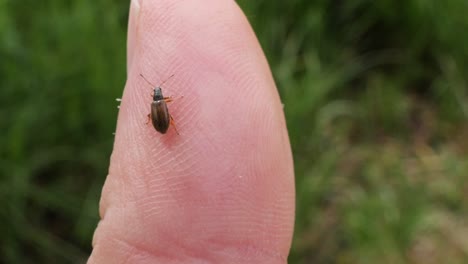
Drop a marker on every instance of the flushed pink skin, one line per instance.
(223, 190)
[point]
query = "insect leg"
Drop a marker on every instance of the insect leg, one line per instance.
(149, 118)
(171, 98)
(173, 123)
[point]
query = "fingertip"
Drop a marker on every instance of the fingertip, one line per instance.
(226, 181)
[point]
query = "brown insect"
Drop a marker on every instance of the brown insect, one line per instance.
(159, 114)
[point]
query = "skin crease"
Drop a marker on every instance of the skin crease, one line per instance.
(223, 190)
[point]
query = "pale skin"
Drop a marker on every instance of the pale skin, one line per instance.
(223, 190)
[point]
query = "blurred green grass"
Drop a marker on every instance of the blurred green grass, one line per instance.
(376, 102)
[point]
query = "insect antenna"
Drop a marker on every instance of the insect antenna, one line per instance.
(152, 85)
(166, 80)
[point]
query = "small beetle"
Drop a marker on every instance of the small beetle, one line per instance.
(159, 115)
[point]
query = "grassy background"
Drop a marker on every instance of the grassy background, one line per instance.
(376, 102)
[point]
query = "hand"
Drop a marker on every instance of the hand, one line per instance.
(223, 190)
